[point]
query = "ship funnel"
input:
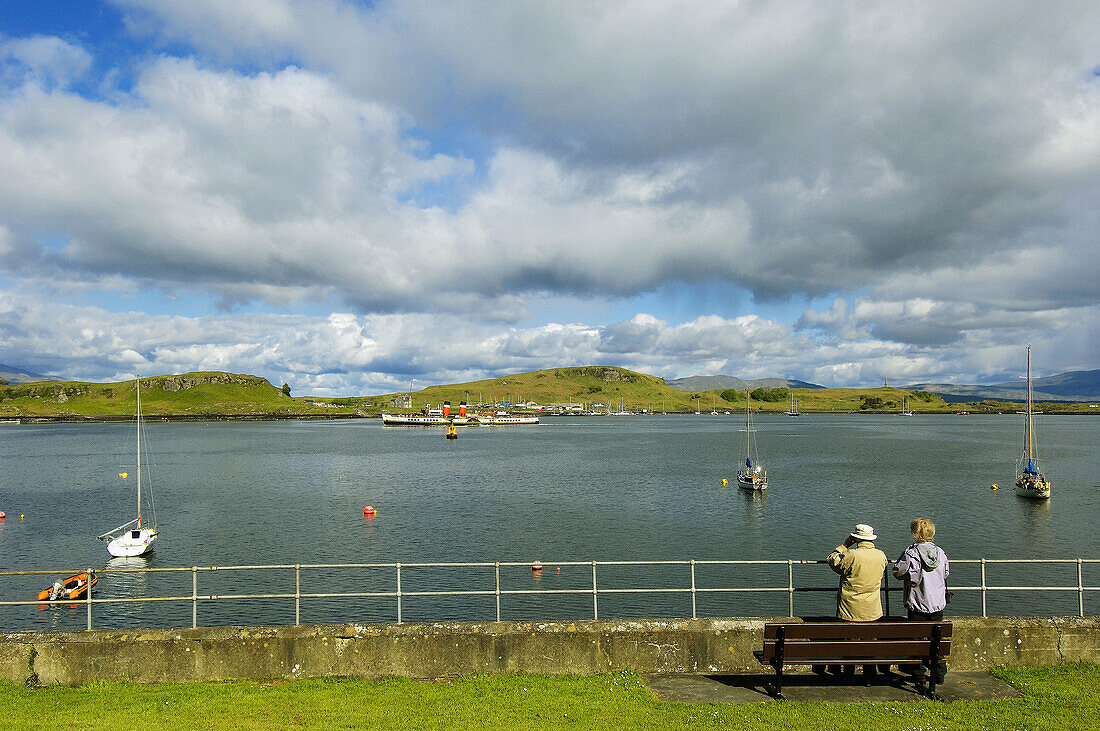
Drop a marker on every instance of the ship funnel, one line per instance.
(462, 409)
(446, 409)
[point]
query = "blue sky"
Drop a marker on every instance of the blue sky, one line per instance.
(348, 196)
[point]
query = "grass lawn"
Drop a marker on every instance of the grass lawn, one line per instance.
(1061, 697)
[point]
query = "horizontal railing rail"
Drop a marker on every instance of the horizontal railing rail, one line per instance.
(593, 588)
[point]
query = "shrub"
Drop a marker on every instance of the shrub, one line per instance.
(771, 394)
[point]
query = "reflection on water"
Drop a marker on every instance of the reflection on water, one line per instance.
(754, 501)
(643, 489)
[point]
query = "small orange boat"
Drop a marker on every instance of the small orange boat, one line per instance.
(74, 587)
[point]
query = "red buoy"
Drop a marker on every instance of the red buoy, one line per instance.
(368, 510)
(3, 515)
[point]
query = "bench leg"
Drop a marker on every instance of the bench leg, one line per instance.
(777, 684)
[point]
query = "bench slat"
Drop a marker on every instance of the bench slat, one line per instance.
(856, 630)
(856, 650)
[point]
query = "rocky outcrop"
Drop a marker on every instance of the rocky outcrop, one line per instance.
(190, 380)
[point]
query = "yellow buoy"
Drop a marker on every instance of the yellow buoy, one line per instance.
(994, 486)
(124, 475)
(725, 481)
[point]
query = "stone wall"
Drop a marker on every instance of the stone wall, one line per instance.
(447, 649)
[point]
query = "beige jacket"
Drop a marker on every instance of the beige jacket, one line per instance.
(860, 568)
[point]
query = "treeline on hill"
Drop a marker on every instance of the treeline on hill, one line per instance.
(771, 395)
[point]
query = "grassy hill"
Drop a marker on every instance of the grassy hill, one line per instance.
(217, 395)
(605, 385)
(190, 395)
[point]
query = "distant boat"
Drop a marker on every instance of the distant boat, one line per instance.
(506, 419)
(1030, 481)
(430, 416)
(905, 410)
(794, 407)
(753, 476)
(133, 541)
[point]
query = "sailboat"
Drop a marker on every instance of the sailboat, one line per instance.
(753, 476)
(794, 407)
(136, 537)
(1029, 479)
(905, 410)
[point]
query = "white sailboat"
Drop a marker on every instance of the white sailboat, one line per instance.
(135, 537)
(1029, 479)
(794, 407)
(753, 476)
(905, 410)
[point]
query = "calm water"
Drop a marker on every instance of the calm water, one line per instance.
(571, 489)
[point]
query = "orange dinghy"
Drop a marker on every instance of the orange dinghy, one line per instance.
(74, 587)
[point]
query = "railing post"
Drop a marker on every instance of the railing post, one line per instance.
(497, 571)
(194, 597)
(790, 588)
(886, 590)
(297, 594)
(89, 598)
(983, 588)
(1080, 592)
(595, 605)
(693, 615)
(399, 593)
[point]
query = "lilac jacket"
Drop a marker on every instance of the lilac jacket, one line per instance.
(924, 568)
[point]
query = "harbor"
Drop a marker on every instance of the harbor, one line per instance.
(572, 490)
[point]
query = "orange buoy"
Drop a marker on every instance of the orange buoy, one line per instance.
(536, 566)
(368, 510)
(3, 515)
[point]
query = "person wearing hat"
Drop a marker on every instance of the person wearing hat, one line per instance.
(924, 568)
(860, 566)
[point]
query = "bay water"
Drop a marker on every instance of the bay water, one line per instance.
(618, 489)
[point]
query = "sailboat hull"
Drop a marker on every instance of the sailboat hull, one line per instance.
(1036, 489)
(132, 543)
(751, 482)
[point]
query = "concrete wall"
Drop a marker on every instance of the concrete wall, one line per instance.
(444, 649)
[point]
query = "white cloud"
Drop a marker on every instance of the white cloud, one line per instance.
(44, 60)
(932, 169)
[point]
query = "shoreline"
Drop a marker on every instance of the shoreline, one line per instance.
(25, 419)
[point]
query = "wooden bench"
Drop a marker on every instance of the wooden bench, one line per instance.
(855, 643)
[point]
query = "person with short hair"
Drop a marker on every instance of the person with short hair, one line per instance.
(924, 568)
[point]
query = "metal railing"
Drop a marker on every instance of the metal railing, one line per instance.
(399, 594)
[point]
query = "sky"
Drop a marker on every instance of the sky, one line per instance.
(362, 197)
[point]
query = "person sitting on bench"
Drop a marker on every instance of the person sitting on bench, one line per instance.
(860, 566)
(924, 568)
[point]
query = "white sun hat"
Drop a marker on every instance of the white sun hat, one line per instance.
(864, 532)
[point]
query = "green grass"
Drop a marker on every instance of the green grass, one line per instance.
(1061, 697)
(217, 395)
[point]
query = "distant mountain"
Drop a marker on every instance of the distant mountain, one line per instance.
(1071, 386)
(12, 374)
(710, 383)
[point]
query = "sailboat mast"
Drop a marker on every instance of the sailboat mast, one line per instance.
(748, 435)
(137, 386)
(1029, 438)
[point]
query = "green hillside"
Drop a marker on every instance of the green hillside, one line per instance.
(606, 385)
(189, 395)
(217, 395)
